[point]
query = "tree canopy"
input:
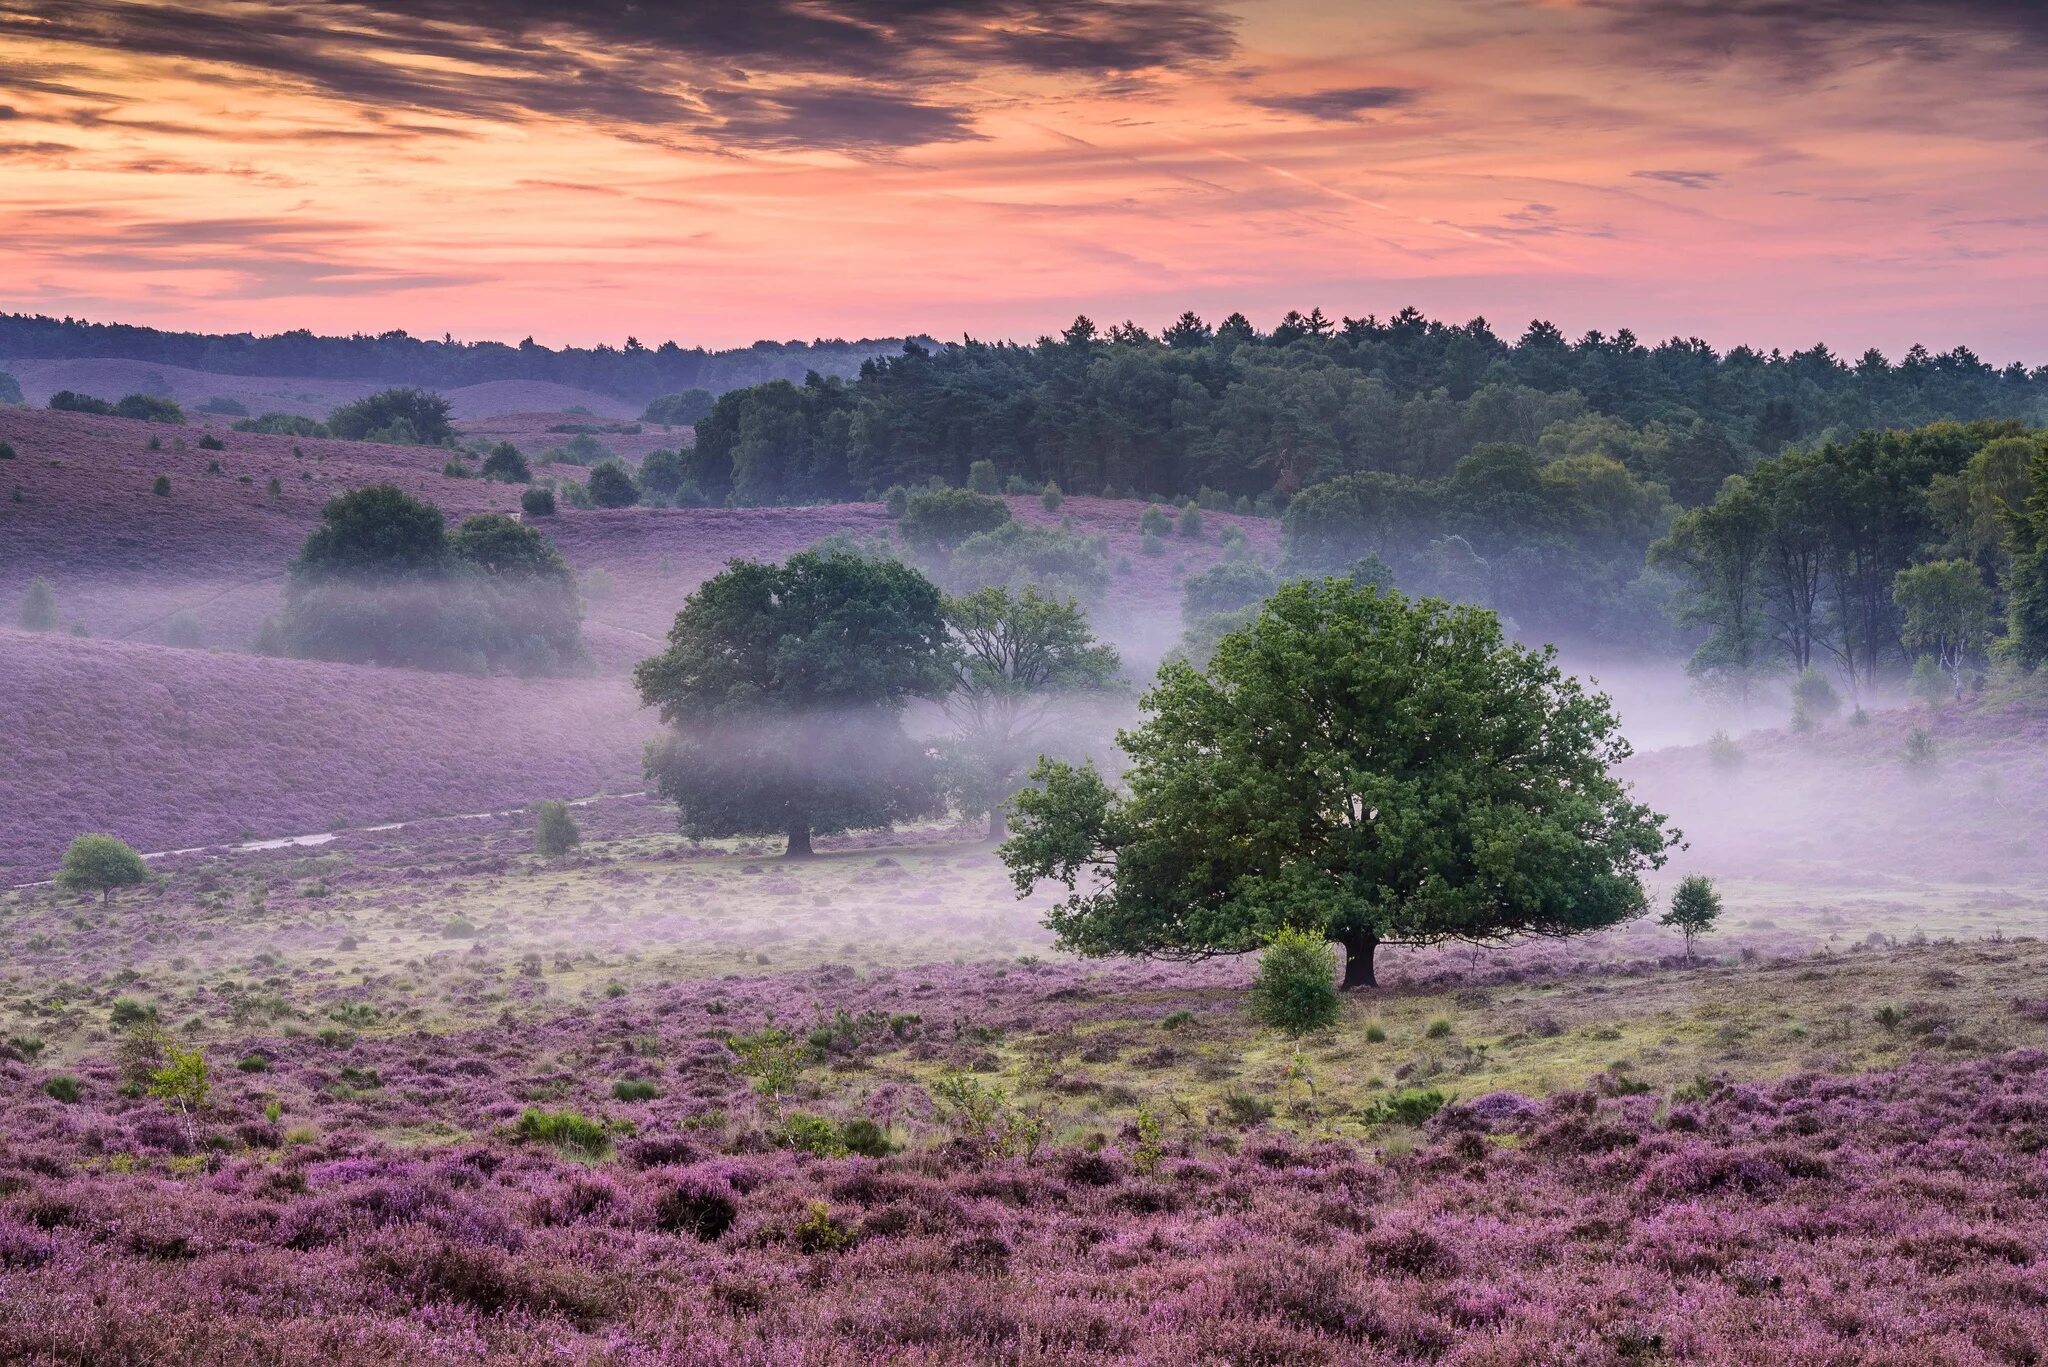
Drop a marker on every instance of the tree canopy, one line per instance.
(1371, 768)
(783, 688)
(402, 415)
(101, 864)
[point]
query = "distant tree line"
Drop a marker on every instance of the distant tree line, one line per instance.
(1247, 413)
(629, 371)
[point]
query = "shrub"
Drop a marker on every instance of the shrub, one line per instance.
(1015, 556)
(863, 1136)
(819, 1232)
(634, 1089)
(537, 502)
(1050, 497)
(1154, 521)
(555, 831)
(1228, 586)
(981, 477)
(100, 863)
(698, 1208)
(210, 442)
(667, 475)
(1814, 699)
(1189, 523)
(1437, 1029)
(1150, 544)
(38, 606)
(1296, 988)
(6, 451)
(1018, 485)
(454, 469)
(226, 407)
(1723, 753)
(69, 401)
(612, 486)
(10, 389)
(1375, 1033)
(1243, 1108)
(935, 523)
(1411, 1107)
(1928, 683)
(812, 1134)
(253, 1063)
(1920, 752)
(570, 1131)
(275, 488)
(62, 1088)
(149, 408)
(401, 416)
(507, 464)
(284, 425)
(162, 487)
(896, 500)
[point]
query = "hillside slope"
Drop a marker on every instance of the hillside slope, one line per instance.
(172, 748)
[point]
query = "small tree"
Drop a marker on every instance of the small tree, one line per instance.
(1014, 656)
(1814, 699)
(162, 487)
(1296, 989)
(1695, 907)
(1928, 683)
(101, 864)
(404, 416)
(981, 477)
(612, 485)
(182, 1084)
(1947, 611)
(507, 463)
(1154, 521)
(536, 502)
(39, 606)
(1189, 523)
(1356, 765)
(1050, 497)
(555, 832)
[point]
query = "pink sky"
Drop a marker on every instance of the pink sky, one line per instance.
(1865, 173)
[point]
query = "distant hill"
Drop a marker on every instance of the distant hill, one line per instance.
(630, 373)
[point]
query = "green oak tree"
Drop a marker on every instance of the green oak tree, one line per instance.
(1015, 657)
(1355, 764)
(783, 687)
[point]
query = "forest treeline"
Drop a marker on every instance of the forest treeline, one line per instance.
(629, 371)
(1248, 413)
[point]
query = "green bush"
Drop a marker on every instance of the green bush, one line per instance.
(864, 1137)
(62, 1088)
(1190, 521)
(507, 464)
(1411, 1107)
(210, 442)
(935, 523)
(555, 831)
(812, 1134)
(1296, 989)
(1438, 1029)
(1050, 497)
(981, 477)
(402, 416)
(1154, 521)
(226, 407)
(70, 401)
(162, 487)
(634, 1089)
(612, 486)
(570, 1131)
(896, 500)
(679, 410)
(183, 631)
(149, 408)
(537, 502)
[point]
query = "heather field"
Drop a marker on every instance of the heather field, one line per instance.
(1822, 1140)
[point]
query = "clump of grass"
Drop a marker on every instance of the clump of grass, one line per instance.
(634, 1089)
(570, 1131)
(62, 1088)
(1439, 1028)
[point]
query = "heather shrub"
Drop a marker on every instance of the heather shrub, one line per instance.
(537, 502)
(38, 606)
(555, 831)
(1296, 987)
(568, 1130)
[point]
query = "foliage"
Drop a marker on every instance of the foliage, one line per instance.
(402, 415)
(568, 1130)
(1352, 764)
(1295, 989)
(1228, 586)
(612, 485)
(679, 409)
(2027, 600)
(984, 1117)
(982, 477)
(284, 425)
(38, 606)
(149, 408)
(1018, 556)
(783, 687)
(1412, 1106)
(505, 462)
(666, 475)
(69, 401)
(537, 502)
(10, 389)
(1014, 657)
(101, 864)
(1929, 682)
(1154, 521)
(382, 580)
(1947, 609)
(1050, 497)
(933, 523)
(182, 1082)
(555, 831)
(1695, 908)
(1814, 698)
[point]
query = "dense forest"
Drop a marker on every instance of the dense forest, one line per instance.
(630, 371)
(1248, 413)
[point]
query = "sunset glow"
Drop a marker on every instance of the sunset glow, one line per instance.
(1854, 175)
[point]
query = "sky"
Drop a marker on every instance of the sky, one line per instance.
(1771, 172)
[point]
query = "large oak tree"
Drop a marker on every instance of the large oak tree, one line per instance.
(1356, 764)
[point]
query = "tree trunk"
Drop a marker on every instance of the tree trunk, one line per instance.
(1358, 951)
(799, 841)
